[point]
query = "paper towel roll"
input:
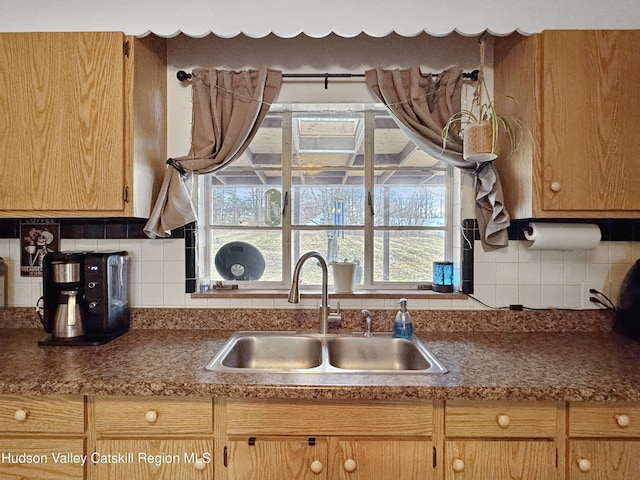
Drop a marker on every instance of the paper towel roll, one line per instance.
(562, 236)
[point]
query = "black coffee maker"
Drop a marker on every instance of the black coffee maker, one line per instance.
(85, 296)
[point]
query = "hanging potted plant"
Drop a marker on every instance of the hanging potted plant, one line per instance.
(480, 125)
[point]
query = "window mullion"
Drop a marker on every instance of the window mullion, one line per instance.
(369, 157)
(287, 155)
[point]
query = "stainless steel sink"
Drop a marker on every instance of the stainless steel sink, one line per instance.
(297, 352)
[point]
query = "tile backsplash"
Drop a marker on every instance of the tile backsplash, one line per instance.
(515, 275)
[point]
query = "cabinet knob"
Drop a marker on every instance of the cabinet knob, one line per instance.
(503, 421)
(199, 465)
(316, 466)
(20, 415)
(584, 465)
(457, 465)
(350, 465)
(555, 186)
(622, 421)
(151, 416)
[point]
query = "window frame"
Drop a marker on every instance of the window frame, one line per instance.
(287, 229)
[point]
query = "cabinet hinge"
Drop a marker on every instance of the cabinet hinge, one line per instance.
(126, 48)
(312, 442)
(556, 458)
(434, 457)
(125, 194)
(225, 452)
(252, 441)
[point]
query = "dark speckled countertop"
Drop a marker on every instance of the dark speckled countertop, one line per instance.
(510, 363)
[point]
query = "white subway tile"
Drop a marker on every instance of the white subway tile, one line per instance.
(552, 274)
(507, 273)
(529, 274)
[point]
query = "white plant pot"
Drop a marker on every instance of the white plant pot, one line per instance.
(343, 277)
(477, 143)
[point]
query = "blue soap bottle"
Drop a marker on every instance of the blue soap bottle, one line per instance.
(402, 326)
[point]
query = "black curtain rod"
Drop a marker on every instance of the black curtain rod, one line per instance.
(473, 76)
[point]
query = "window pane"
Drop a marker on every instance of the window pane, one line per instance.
(407, 255)
(328, 205)
(333, 245)
(247, 206)
(246, 254)
(410, 205)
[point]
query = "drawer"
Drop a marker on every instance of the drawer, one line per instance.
(500, 419)
(604, 420)
(25, 458)
(323, 417)
(56, 414)
(153, 415)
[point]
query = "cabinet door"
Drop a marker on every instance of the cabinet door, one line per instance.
(41, 459)
(62, 117)
(152, 459)
(382, 459)
(500, 460)
(604, 460)
(590, 104)
(277, 458)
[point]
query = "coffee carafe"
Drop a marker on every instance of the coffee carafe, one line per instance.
(68, 319)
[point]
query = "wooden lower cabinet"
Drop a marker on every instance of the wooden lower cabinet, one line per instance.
(150, 438)
(277, 458)
(157, 459)
(334, 440)
(500, 460)
(41, 458)
(604, 441)
(42, 437)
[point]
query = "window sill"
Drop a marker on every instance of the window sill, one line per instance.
(359, 294)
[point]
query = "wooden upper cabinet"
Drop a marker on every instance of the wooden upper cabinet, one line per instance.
(576, 91)
(83, 120)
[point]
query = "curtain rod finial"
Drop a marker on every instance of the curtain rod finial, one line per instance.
(183, 76)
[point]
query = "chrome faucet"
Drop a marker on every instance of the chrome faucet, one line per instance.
(294, 293)
(366, 314)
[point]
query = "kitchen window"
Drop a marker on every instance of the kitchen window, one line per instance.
(341, 179)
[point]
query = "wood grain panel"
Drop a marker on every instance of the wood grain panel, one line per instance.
(501, 460)
(590, 103)
(276, 458)
(175, 416)
(383, 459)
(600, 420)
(63, 108)
(610, 460)
(159, 459)
(274, 417)
(480, 419)
(59, 415)
(41, 463)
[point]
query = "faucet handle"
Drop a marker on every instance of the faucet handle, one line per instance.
(335, 318)
(366, 314)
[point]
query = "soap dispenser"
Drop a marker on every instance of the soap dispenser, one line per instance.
(402, 326)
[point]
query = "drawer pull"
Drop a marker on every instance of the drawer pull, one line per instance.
(622, 421)
(200, 465)
(457, 465)
(584, 465)
(556, 187)
(21, 415)
(316, 466)
(350, 465)
(503, 421)
(151, 416)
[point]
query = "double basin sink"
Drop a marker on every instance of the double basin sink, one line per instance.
(298, 352)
